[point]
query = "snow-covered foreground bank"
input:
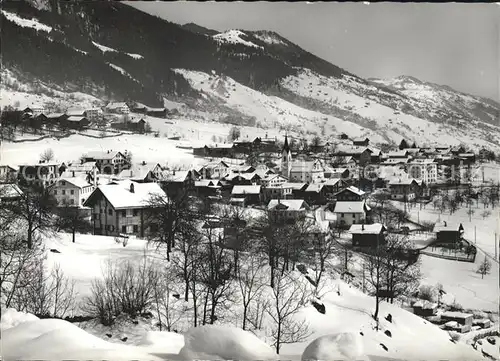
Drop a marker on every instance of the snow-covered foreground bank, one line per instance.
(347, 317)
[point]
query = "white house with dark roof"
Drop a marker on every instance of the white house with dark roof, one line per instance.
(122, 207)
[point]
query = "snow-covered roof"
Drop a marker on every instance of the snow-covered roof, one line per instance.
(342, 159)
(75, 112)
(397, 154)
(177, 176)
(289, 204)
(75, 118)
(120, 195)
(396, 161)
(116, 105)
(239, 189)
(349, 149)
(331, 181)
(447, 227)
(350, 207)
(10, 190)
(335, 170)
(354, 190)
(375, 228)
(213, 183)
(78, 182)
(404, 181)
(54, 115)
(101, 154)
(315, 187)
(454, 314)
(294, 185)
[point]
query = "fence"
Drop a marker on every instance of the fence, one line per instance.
(450, 254)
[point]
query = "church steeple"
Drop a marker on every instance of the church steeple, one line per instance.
(286, 147)
(286, 159)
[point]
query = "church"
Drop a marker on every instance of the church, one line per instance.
(300, 171)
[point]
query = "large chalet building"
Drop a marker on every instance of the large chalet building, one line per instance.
(122, 207)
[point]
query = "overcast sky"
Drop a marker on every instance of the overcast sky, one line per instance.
(452, 44)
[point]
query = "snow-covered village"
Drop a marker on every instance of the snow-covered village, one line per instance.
(205, 192)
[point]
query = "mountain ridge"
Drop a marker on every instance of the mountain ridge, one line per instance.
(116, 52)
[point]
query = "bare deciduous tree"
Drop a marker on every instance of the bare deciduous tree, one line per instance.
(169, 309)
(215, 269)
(41, 292)
(47, 155)
(125, 288)
(34, 209)
(251, 283)
(288, 296)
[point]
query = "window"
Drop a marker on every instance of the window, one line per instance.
(63, 192)
(110, 212)
(124, 213)
(342, 215)
(100, 210)
(63, 183)
(72, 192)
(71, 201)
(136, 228)
(55, 192)
(124, 229)
(135, 212)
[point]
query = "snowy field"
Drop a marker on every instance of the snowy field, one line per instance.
(143, 147)
(347, 325)
(460, 279)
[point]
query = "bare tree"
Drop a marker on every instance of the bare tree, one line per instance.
(234, 134)
(470, 212)
(401, 266)
(169, 309)
(43, 293)
(324, 246)
(34, 209)
(485, 214)
(125, 288)
(485, 267)
(288, 297)
(168, 217)
(235, 231)
(47, 155)
(375, 265)
(71, 218)
(215, 269)
(251, 282)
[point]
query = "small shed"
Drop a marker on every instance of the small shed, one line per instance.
(459, 317)
(424, 308)
(367, 235)
(448, 232)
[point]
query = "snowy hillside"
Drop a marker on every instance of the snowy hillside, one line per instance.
(347, 311)
(270, 111)
(234, 37)
(394, 122)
